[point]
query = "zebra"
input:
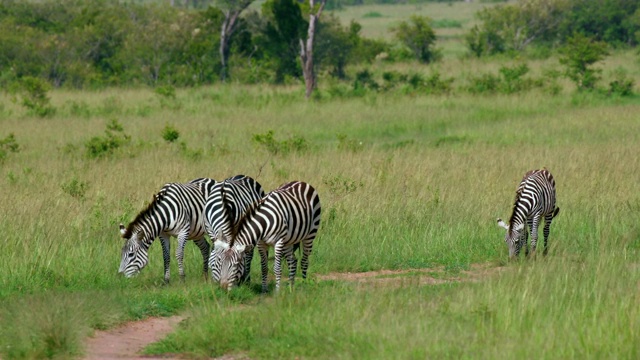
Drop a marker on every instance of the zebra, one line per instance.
(176, 210)
(286, 216)
(240, 193)
(535, 199)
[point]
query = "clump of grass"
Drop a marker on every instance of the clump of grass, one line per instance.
(293, 144)
(372, 15)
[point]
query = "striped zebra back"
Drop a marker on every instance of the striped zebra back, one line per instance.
(289, 214)
(535, 200)
(536, 193)
(176, 208)
(226, 205)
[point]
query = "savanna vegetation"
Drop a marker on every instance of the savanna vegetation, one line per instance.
(413, 163)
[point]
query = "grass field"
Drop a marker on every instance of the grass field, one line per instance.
(406, 182)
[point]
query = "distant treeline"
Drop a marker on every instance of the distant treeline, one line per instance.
(97, 43)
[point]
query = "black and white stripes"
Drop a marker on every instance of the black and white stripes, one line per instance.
(286, 216)
(226, 205)
(176, 210)
(535, 200)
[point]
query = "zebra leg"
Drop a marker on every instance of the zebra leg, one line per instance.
(547, 226)
(277, 266)
(246, 275)
(263, 249)
(306, 251)
(534, 233)
(525, 236)
(182, 240)
(166, 255)
(204, 247)
(293, 264)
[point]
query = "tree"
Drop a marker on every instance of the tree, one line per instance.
(231, 10)
(306, 47)
(279, 37)
(578, 55)
(418, 36)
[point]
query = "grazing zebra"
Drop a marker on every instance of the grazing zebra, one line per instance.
(535, 199)
(285, 217)
(240, 193)
(176, 210)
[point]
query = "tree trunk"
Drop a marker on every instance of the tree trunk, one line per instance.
(228, 27)
(306, 49)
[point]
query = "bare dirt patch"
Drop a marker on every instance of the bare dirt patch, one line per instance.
(127, 340)
(432, 276)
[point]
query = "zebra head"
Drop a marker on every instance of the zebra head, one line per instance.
(227, 263)
(134, 254)
(514, 237)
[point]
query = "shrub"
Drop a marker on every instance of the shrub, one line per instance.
(293, 144)
(418, 36)
(101, 146)
(485, 83)
(513, 78)
(170, 134)
(34, 96)
(75, 188)
(8, 144)
(622, 85)
(578, 56)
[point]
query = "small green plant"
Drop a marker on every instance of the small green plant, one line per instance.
(485, 83)
(340, 185)
(348, 144)
(167, 96)
(294, 144)
(101, 146)
(76, 188)
(7, 145)
(622, 85)
(578, 57)
(170, 134)
(513, 80)
(34, 96)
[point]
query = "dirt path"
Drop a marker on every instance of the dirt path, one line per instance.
(126, 341)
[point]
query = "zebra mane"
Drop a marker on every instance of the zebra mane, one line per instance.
(145, 212)
(244, 219)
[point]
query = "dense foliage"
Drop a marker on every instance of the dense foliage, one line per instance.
(514, 26)
(84, 43)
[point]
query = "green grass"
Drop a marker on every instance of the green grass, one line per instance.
(406, 182)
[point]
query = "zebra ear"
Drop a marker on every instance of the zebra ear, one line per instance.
(240, 248)
(122, 229)
(220, 245)
(519, 227)
(502, 224)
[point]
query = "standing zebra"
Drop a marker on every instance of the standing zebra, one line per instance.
(176, 210)
(285, 217)
(227, 202)
(535, 199)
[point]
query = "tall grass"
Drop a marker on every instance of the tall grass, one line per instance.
(405, 182)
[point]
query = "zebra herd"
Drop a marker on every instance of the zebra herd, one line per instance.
(237, 216)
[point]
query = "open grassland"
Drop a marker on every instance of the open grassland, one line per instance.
(450, 20)
(406, 182)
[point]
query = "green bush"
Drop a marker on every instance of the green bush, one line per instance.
(622, 85)
(578, 56)
(34, 96)
(418, 35)
(8, 144)
(275, 147)
(102, 146)
(170, 134)
(75, 188)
